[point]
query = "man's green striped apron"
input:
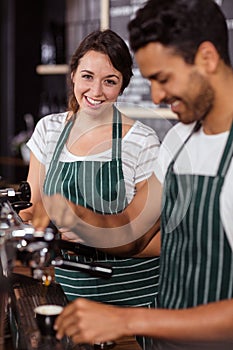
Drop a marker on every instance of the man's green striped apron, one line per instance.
(196, 262)
(100, 186)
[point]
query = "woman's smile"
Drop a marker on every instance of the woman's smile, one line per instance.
(92, 102)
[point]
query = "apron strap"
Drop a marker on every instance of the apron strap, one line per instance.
(196, 128)
(227, 155)
(116, 134)
(62, 139)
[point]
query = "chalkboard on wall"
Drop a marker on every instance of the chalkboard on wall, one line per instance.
(227, 7)
(121, 11)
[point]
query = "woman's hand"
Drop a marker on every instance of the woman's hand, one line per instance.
(40, 219)
(57, 209)
(44, 213)
(70, 236)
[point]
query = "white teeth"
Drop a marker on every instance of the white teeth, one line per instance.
(175, 103)
(94, 102)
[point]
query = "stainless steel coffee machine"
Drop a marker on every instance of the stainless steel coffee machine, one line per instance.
(19, 294)
(12, 230)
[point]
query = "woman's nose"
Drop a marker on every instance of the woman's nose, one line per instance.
(97, 88)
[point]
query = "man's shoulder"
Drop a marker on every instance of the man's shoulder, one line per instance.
(179, 132)
(182, 129)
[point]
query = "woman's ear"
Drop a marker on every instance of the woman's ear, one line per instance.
(207, 56)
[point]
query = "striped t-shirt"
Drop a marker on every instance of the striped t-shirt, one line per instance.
(140, 148)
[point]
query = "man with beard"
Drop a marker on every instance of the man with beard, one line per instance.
(181, 47)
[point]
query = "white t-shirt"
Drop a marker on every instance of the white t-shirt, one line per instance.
(140, 148)
(201, 155)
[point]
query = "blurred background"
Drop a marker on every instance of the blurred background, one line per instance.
(37, 39)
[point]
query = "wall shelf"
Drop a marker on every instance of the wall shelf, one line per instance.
(153, 113)
(49, 69)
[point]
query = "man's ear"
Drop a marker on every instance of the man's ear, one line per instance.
(207, 56)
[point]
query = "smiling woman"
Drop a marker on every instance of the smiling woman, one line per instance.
(97, 158)
(97, 83)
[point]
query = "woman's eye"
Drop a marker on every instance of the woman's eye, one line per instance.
(87, 76)
(110, 82)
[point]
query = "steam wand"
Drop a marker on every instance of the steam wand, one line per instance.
(44, 249)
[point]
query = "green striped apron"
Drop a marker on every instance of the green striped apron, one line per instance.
(196, 263)
(95, 185)
(100, 186)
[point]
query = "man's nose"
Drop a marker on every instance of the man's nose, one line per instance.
(157, 93)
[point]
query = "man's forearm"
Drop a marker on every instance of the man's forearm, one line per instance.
(105, 231)
(212, 322)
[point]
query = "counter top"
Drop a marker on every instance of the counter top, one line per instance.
(127, 343)
(25, 292)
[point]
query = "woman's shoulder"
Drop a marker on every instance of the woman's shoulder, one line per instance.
(141, 136)
(145, 134)
(56, 119)
(137, 126)
(51, 122)
(144, 128)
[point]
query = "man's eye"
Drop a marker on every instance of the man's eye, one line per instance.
(162, 81)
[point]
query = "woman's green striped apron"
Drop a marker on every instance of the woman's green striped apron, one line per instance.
(196, 262)
(100, 186)
(92, 184)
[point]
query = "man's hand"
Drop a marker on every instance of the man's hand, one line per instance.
(106, 231)
(90, 322)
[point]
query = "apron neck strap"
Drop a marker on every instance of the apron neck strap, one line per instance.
(116, 134)
(63, 137)
(227, 154)
(196, 127)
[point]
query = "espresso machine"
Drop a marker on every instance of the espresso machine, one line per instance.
(20, 294)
